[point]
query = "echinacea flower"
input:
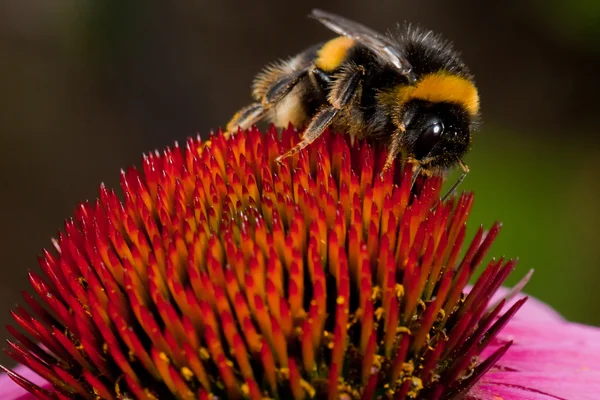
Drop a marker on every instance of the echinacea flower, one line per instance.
(223, 275)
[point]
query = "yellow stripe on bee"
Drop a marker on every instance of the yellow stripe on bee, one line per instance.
(333, 53)
(444, 87)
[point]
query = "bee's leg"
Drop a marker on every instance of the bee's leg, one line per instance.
(271, 88)
(415, 175)
(463, 175)
(317, 125)
(418, 167)
(282, 86)
(345, 86)
(322, 79)
(245, 118)
(394, 148)
(341, 95)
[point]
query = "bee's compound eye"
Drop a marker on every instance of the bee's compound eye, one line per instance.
(428, 139)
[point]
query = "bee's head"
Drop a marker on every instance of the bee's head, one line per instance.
(437, 134)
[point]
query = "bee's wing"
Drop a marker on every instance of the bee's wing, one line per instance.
(376, 42)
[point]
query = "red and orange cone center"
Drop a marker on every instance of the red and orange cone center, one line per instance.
(223, 274)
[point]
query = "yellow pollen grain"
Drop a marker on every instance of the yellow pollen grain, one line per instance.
(416, 386)
(118, 386)
(187, 374)
(204, 353)
(284, 373)
(408, 368)
(403, 329)
(308, 388)
(377, 362)
(441, 314)
(376, 293)
(150, 395)
(245, 389)
(379, 313)
(399, 290)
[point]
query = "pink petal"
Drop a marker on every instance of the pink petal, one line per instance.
(549, 359)
(532, 310)
(582, 385)
(555, 334)
(9, 390)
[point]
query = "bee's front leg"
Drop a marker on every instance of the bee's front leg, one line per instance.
(463, 175)
(394, 148)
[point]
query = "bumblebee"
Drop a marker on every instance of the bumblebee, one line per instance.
(410, 90)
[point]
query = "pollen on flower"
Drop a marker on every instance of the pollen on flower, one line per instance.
(223, 274)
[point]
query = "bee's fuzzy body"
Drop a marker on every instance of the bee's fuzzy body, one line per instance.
(347, 85)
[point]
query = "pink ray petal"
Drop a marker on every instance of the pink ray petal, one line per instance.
(581, 385)
(9, 390)
(549, 359)
(533, 310)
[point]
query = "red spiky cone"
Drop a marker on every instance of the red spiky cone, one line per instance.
(225, 275)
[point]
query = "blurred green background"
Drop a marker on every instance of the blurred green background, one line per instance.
(87, 86)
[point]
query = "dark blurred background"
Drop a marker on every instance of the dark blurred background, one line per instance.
(87, 86)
